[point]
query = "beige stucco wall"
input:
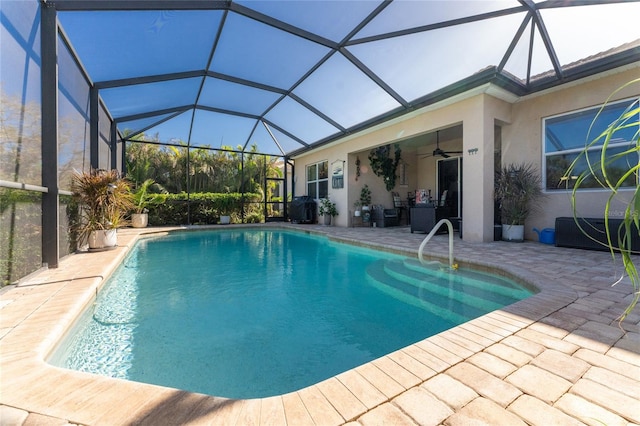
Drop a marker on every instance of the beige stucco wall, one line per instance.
(522, 140)
(521, 127)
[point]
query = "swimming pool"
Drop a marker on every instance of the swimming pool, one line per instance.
(254, 313)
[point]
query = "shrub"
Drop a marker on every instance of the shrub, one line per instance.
(204, 208)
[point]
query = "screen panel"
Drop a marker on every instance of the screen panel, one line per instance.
(344, 93)
(308, 126)
(20, 91)
(418, 64)
(20, 233)
(258, 52)
(73, 118)
(142, 43)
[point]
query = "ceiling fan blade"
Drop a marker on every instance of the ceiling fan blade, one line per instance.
(439, 152)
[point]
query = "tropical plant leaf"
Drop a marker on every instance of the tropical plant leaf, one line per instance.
(628, 119)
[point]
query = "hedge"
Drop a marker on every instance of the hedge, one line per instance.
(205, 208)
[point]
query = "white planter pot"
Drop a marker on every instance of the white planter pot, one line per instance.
(139, 220)
(225, 220)
(96, 240)
(110, 238)
(103, 239)
(356, 213)
(513, 233)
(327, 219)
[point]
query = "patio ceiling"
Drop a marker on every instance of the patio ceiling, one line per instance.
(288, 76)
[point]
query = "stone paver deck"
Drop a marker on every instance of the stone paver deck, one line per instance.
(558, 357)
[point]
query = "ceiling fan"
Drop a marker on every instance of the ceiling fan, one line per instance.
(440, 152)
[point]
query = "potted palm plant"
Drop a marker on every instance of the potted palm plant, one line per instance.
(226, 203)
(142, 199)
(327, 210)
(104, 200)
(517, 189)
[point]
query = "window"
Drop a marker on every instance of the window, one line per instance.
(318, 180)
(566, 136)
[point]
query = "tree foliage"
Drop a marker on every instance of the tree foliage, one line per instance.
(200, 170)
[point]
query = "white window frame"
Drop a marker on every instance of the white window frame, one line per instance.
(578, 150)
(317, 180)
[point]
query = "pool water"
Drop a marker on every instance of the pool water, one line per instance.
(255, 313)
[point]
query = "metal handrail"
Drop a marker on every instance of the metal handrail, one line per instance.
(432, 233)
(23, 186)
(27, 187)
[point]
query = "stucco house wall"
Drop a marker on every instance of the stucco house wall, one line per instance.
(479, 112)
(523, 139)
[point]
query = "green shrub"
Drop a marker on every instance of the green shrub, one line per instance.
(254, 218)
(205, 208)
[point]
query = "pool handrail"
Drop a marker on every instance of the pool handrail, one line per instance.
(432, 233)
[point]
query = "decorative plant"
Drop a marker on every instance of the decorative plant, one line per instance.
(384, 166)
(365, 195)
(141, 197)
(327, 207)
(226, 204)
(357, 204)
(517, 188)
(600, 173)
(104, 199)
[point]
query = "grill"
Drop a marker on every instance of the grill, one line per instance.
(303, 210)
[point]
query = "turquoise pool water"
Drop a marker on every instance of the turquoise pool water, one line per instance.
(255, 313)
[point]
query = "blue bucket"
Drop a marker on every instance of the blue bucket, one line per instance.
(546, 236)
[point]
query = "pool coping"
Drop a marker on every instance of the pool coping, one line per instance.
(50, 302)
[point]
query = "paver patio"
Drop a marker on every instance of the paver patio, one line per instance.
(558, 357)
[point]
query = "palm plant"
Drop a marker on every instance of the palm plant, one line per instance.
(517, 188)
(141, 197)
(104, 199)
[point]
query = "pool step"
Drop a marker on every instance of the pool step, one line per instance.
(453, 295)
(473, 280)
(447, 284)
(411, 294)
